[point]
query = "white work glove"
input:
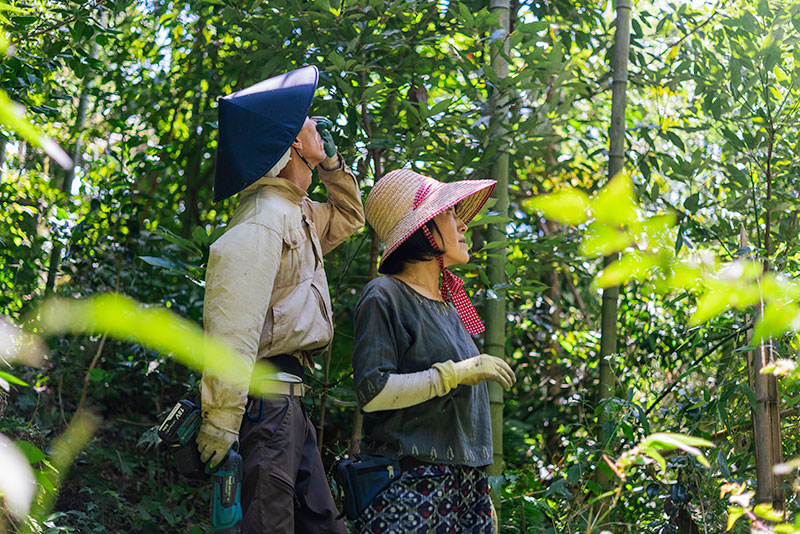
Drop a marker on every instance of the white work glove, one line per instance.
(410, 389)
(473, 371)
(214, 443)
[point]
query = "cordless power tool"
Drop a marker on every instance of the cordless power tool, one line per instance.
(179, 431)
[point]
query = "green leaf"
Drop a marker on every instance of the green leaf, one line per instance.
(441, 106)
(766, 511)
(776, 319)
(722, 462)
(559, 489)
(494, 244)
(750, 394)
(615, 203)
(12, 115)
(24, 20)
(177, 240)
(157, 328)
(43, 478)
(632, 266)
(159, 262)
(734, 513)
(371, 93)
(713, 302)
(31, 451)
(602, 240)
(199, 235)
(466, 16)
(337, 60)
(671, 441)
(569, 206)
(692, 202)
(655, 455)
(489, 219)
(532, 27)
(673, 137)
(12, 379)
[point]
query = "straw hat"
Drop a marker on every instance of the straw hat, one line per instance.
(403, 201)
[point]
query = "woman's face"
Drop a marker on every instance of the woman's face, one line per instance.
(453, 231)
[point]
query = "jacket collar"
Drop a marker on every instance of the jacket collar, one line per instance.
(282, 186)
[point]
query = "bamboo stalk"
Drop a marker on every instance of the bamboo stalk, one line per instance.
(495, 316)
(766, 415)
(616, 163)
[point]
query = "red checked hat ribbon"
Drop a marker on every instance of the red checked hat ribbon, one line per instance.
(453, 290)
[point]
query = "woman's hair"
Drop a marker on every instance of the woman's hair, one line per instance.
(414, 249)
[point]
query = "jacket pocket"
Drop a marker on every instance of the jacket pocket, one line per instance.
(324, 307)
(300, 320)
(291, 258)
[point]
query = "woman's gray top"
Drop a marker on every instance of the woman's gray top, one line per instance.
(397, 330)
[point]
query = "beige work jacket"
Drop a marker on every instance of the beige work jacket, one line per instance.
(266, 289)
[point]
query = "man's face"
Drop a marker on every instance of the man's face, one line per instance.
(312, 148)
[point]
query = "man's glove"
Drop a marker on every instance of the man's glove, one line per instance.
(214, 443)
(324, 127)
(475, 370)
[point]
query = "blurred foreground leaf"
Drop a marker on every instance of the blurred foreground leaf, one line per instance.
(154, 327)
(615, 203)
(16, 345)
(671, 441)
(17, 483)
(64, 451)
(569, 206)
(12, 115)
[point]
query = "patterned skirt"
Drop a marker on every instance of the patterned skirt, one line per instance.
(431, 499)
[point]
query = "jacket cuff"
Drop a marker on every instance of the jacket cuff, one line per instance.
(333, 163)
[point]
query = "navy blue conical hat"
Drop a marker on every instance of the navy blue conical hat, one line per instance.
(257, 125)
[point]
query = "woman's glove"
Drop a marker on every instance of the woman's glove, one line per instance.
(324, 127)
(473, 371)
(410, 389)
(214, 443)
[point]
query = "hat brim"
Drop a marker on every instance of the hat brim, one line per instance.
(257, 125)
(468, 196)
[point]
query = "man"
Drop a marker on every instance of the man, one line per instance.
(267, 296)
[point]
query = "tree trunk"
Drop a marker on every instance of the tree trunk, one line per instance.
(616, 135)
(766, 415)
(495, 336)
(2, 155)
(376, 155)
(66, 185)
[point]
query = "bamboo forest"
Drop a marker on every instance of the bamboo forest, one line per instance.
(637, 265)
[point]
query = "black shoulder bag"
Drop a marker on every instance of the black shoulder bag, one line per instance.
(360, 481)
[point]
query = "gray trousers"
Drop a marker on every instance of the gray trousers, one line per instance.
(285, 489)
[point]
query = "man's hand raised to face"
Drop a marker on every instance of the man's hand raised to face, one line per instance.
(324, 127)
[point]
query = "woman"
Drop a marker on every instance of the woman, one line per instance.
(419, 377)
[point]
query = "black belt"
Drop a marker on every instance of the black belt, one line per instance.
(409, 463)
(288, 364)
